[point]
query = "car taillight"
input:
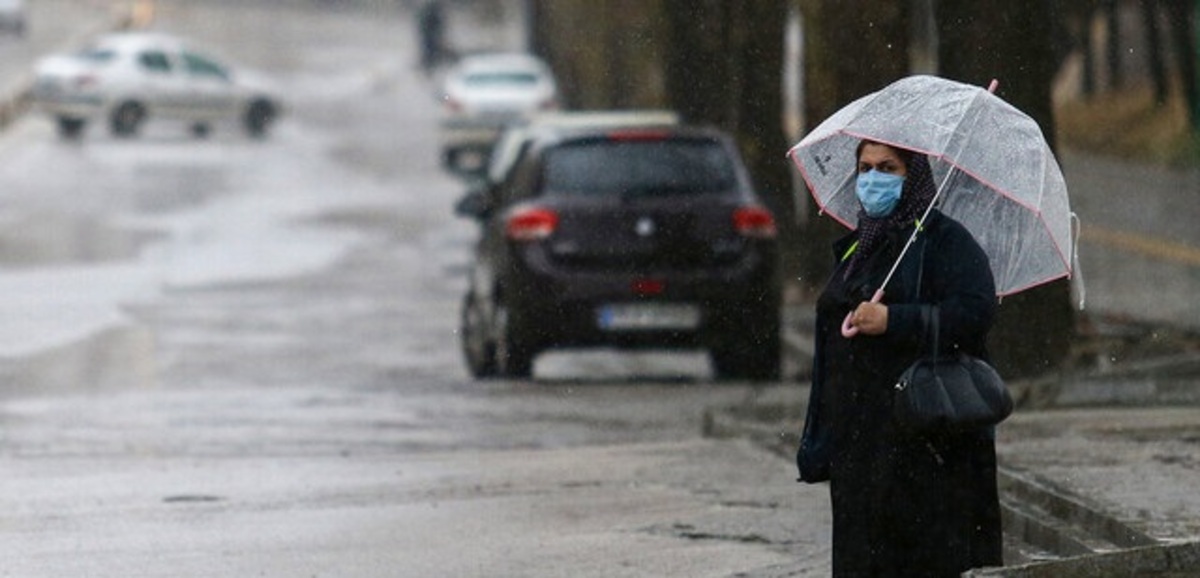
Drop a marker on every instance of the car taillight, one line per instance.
(648, 287)
(754, 222)
(531, 224)
(85, 81)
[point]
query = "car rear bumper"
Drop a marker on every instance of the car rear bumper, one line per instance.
(571, 309)
(462, 136)
(56, 103)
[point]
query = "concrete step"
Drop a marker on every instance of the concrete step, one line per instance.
(1043, 522)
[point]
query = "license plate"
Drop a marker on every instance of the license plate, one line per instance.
(648, 316)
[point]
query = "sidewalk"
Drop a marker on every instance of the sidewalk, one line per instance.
(1098, 471)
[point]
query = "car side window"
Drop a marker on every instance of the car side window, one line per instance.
(200, 66)
(155, 61)
(98, 56)
(521, 180)
(505, 153)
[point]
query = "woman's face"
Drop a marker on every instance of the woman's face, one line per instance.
(882, 158)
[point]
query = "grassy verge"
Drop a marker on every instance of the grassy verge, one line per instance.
(1130, 125)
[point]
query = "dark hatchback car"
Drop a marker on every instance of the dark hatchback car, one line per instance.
(621, 235)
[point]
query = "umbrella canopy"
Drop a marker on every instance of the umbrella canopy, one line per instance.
(995, 172)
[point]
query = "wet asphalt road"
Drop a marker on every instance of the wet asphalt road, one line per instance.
(238, 358)
(234, 358)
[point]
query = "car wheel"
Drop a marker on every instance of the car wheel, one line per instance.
(127, 119)
(514, 354)
(70, 128)
(450, 158)
(479, 351)
(754, 352)
(258, 118)
(201, 130)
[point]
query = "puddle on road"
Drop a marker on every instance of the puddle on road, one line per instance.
(42, 239)
(165, 188)
(118, 358)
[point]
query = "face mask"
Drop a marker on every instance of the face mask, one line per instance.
(879, 192)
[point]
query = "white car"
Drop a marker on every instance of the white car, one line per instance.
(12, 16)
(484, 92)
(125, 79)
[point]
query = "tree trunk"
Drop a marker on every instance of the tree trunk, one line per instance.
(1112, 9)
(1183, 33)
(606, 55)
(1089, 58)
(1154, 52)
(1072, 22)
(697, 63)
(1010, 40)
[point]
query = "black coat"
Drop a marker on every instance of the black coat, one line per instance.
(903, 505)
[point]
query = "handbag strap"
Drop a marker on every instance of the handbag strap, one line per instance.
(929, 313)
(935, 314)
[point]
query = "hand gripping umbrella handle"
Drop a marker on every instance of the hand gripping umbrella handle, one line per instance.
(848, 328)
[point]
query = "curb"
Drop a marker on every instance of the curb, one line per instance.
(1055, 533)
(1069, 535)
(1167, 561)
(1056, 523)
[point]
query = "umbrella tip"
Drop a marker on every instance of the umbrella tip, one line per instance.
(993, 85)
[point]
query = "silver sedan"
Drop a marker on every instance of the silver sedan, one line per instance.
(126, 79)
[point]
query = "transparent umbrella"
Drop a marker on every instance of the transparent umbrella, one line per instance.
(995, 172)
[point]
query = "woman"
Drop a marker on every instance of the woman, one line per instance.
(903, 505)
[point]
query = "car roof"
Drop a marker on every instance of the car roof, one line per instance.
(488, 61)
(583, 120)
(132, 41)
(555, 126)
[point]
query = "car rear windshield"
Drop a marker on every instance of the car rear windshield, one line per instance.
(97, 55)
(491, 79)
(637, 167)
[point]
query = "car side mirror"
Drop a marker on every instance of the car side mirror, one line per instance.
(476, 204)
(467, 163)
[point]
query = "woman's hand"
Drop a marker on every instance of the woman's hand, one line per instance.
(870, 318)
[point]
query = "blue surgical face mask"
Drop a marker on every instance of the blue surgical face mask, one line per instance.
(879, 192)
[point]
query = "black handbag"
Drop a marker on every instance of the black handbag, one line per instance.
(815, 454)
(948, 393)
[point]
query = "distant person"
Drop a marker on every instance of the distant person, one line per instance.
(431, 26)
(904, 505)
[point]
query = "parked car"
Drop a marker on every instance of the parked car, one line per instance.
(615, 232)
(12, 16)
(482, 93)
(126, 79)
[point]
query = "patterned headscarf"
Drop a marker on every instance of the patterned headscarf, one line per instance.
(915, 197)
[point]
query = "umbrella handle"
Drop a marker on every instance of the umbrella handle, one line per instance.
(848, 328)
